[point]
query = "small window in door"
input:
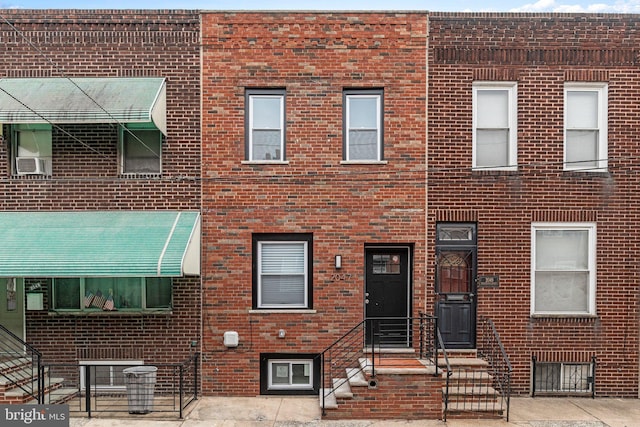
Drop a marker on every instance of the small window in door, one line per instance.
(386, 264)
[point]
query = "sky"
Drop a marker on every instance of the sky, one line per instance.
(570, 6)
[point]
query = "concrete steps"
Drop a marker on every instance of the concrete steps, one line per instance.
(19, 384)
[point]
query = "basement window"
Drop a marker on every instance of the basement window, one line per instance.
(563, 378)
(286, 373)
(105, 375)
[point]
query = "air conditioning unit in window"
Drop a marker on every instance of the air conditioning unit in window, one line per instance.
(29, 166)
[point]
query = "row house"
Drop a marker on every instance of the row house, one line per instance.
(99, 189)
(532, 193)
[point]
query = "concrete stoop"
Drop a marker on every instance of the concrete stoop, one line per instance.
(17, 378)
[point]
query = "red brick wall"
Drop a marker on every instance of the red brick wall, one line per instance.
(541, 53)
(111, 43)
(314, 56)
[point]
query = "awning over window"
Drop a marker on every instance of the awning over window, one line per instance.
(84, 100)
(99, 243)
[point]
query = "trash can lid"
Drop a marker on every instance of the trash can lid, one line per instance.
(138, 370)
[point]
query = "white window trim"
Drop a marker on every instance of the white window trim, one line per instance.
(308, 362)
(378, 97)
(306, 274)
(512, 89)
(111, 363)
(591, 228)
(602, 161)
(252, 97)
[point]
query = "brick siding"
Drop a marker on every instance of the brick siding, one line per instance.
(314, 56)
(110, 43)
(541, 53)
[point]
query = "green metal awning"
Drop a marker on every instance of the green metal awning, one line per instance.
(99, 244)
(84, 100)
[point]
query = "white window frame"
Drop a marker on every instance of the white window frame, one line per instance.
(305, 304)
(377, 95)
(512, 123)
(111, 364)
(309, 366)
(591, 269)
(601, 163)
(252, 95)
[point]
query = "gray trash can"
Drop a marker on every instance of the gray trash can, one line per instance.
(140, 381)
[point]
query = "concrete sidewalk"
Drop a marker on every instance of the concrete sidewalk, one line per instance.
(305, 411)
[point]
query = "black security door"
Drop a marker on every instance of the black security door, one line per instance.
(387, 295)
(456, 284)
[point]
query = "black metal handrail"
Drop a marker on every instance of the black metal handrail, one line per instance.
(342, 359)
(492, 351)
(21, 365)
(104, 389)
(445, 395)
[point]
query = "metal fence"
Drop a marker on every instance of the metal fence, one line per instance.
(105, 388)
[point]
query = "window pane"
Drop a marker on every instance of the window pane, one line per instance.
(493, 109)
(562, 291)
(363, 145)
(67, 293)
(266, 144)
(280, 373)
(363, 112)
(492, 147)
(125, 291)
(582, 148)
(158, 292)
(300, 373)
(285, 258)
(582, 109)
(548, 377)
(575, 377)
(283, 290)
(562, 249)
(142, 151)
(266, 112)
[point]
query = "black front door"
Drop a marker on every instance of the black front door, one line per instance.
(456, 284)
(387, 296)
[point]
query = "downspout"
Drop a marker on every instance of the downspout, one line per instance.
(426, 167)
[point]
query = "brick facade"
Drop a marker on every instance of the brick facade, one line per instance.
(314, 56)
(109, 43)
(540, 53)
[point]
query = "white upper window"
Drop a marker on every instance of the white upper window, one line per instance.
(265, 125)
(495, 116)
(585, 127)
(363, 125)
(32, 149)
(563, 269)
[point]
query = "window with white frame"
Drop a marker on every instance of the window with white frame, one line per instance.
(585, 127)
(563, 269)
(282, 276)
(105, 375)
(363, 131)
(32, 148)
(495, 116)
(265, 125)
(290, 374)
(140, 150)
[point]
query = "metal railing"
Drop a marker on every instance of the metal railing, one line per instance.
(556, 378)
(447, 378)
(492, 351)
(20, 365)
(361, 346)
(104, 389)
